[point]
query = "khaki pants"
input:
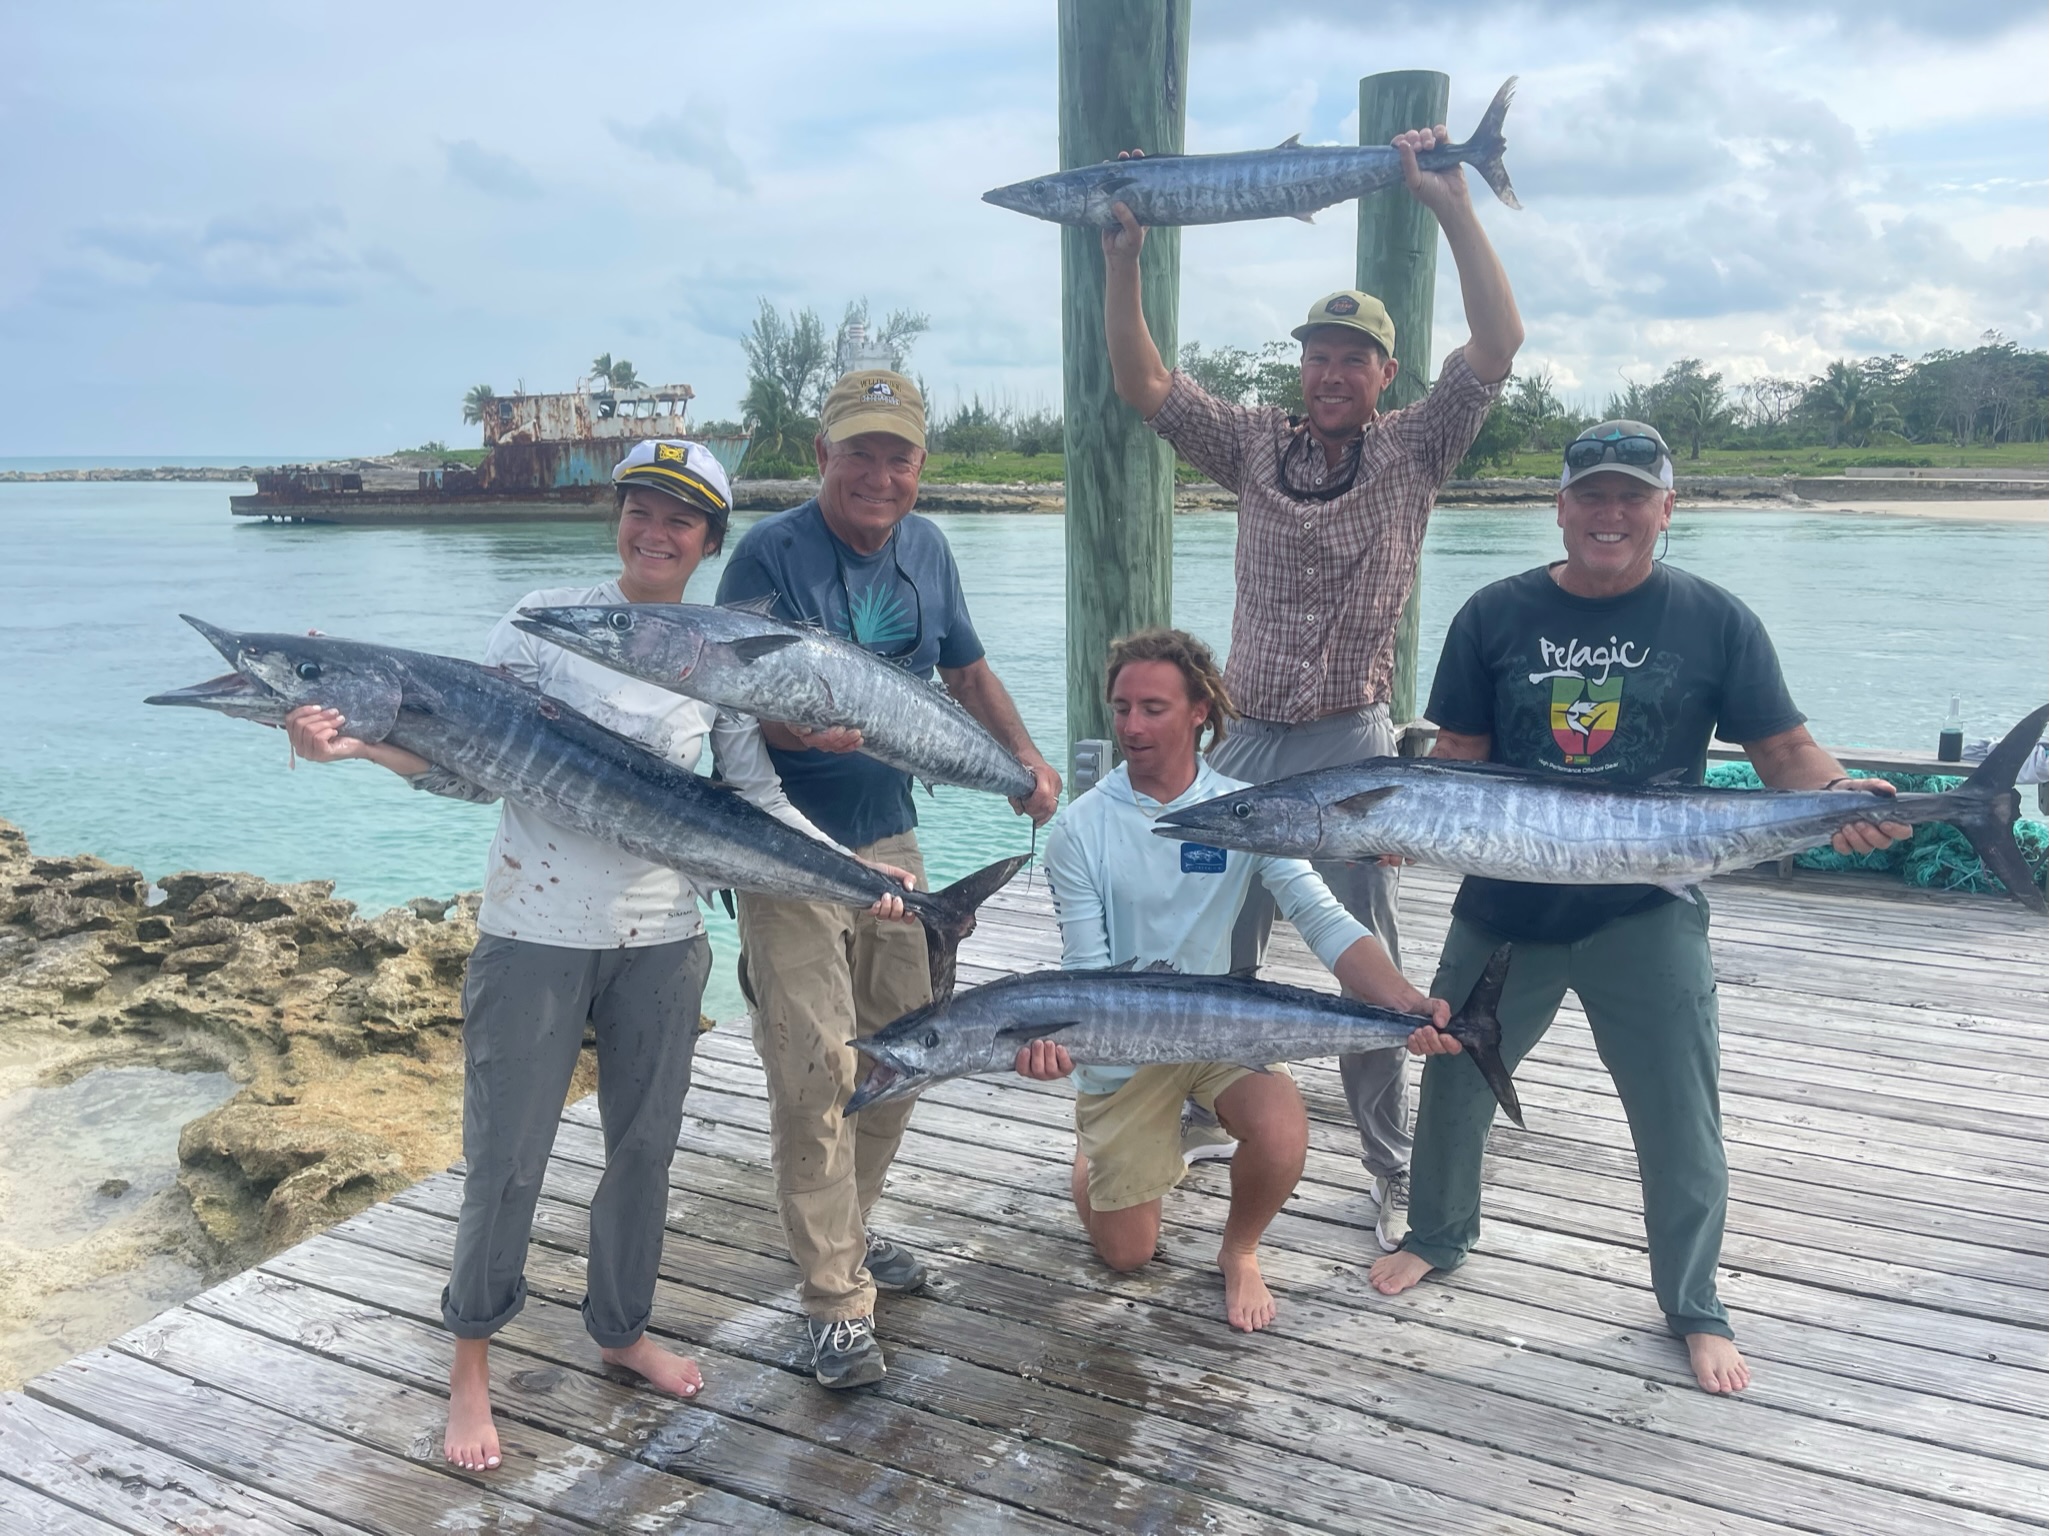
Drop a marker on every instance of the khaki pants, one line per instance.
(816, 977)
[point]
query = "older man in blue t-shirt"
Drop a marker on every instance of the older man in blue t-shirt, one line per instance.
(854, 561)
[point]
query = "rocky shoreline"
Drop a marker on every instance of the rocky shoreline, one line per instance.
(342, 1033)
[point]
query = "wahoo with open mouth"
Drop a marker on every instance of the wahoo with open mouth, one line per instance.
(495, 736)
(1133, 1018)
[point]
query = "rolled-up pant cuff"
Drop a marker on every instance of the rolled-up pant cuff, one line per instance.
(606, 1338)
(462, 1329)
(1682, 1326)
(1433, 1255)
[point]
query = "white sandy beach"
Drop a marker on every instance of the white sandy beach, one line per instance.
(1987, 510)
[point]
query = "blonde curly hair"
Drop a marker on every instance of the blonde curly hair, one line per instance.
(1198, 665)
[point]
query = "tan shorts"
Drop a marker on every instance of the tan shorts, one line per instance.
(1132, 1138)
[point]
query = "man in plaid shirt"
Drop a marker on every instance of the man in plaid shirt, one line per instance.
(1331, 511)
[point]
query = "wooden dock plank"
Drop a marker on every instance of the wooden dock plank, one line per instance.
(139, 1489)
(1886, 1103)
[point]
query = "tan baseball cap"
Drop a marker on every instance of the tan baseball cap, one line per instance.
(1353, 310)
(874, 400)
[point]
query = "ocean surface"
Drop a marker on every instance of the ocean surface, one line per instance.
(1877, 621)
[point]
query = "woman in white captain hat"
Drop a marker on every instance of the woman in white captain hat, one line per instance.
(574, 931)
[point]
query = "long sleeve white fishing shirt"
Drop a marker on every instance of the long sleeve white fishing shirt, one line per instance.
(549, 885)
(1123, 894)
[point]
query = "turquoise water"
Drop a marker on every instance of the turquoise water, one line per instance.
(1877, 621)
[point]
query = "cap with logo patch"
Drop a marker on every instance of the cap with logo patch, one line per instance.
(874, 400)
(678, 468)
(1618, 447)
(1354, 311)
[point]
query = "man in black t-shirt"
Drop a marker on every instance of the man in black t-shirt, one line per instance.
(1610, 666)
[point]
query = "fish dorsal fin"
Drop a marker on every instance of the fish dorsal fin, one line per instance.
(1160, 968)
(754, 647)
(1306, 218)
(1292, 141)
(762, 607)
(1120, 967)
(1026, 1032)
(1365, 800)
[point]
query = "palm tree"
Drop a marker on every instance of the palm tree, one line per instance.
(476, 401)
(601, 368)
(1702, 408)
(623, 376)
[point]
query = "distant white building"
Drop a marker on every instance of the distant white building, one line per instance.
(858, 351)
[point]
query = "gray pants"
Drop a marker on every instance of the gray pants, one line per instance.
(1257, 751)
(524, 1011)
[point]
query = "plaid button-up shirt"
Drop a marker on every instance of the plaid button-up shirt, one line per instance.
(1321, 583)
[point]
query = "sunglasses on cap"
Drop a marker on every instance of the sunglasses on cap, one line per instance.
(1638, 452)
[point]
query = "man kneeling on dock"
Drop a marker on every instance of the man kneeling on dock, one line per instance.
(1126, 896)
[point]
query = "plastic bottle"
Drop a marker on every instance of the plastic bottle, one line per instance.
(1949, 746)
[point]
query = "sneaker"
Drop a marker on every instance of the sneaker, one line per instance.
(1203, 1139)
(845, 1354)
(1391, 1211)
(894, 1267)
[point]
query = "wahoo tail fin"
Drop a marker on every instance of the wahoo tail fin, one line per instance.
(1477, 1027)
(1986, 805)
(1483, 151)
(949, 917)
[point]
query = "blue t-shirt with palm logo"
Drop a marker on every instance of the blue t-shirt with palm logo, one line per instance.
(903, 602)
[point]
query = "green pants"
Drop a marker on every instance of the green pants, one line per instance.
(1648, 987)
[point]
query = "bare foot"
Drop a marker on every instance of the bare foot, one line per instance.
(472, 1439)
(1397, 1272)
(657, 1366)
(1248, 1304)
(1716, 1364)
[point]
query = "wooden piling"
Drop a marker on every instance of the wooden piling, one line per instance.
(1398, 265)
(1123, 71)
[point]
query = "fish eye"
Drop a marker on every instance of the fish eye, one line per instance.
(931, 1039)
(620, 620)
(1038, 186)
(308, 670)
(1241, 809)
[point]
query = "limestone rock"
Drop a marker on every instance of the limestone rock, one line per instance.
(345, 1030)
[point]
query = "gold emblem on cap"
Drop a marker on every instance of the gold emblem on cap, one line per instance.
(664, 451)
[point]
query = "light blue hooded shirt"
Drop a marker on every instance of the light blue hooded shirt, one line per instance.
(1123, 894)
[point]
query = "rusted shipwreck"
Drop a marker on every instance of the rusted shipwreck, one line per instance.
(546, 458)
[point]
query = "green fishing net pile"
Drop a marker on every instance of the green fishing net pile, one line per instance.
(1938, 857)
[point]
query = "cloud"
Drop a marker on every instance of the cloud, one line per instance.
(490, 172)
(260, 258)
(1981, 19)
(695, 137)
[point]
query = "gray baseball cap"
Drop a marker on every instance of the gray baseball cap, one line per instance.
(1619, 447)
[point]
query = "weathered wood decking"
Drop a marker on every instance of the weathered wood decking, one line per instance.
(1887, 1114)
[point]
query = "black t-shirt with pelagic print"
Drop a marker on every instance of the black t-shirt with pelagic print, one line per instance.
(1617, 689)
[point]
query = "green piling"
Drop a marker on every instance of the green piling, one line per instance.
(1398, 265)
(1123, 73)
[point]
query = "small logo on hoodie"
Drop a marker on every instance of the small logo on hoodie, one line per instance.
(1202, 859)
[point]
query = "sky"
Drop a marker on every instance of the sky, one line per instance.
(302, 230)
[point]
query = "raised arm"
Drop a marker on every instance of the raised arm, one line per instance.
(1137, 370)
(1497, 329)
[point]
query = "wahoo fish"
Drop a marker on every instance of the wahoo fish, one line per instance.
(1508, 824)
(1133, 1018)
(498, 737)
(738, 658)
(1291, 179)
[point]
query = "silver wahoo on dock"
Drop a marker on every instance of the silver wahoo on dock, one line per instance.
(1290, 180)
(740, 659)
(507, 739)
(1133, 1018)
(1508, 824)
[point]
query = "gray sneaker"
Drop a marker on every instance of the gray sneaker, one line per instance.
(1391, 1211)
(894, 1267)
(845, 1354)
(1203, 1137)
